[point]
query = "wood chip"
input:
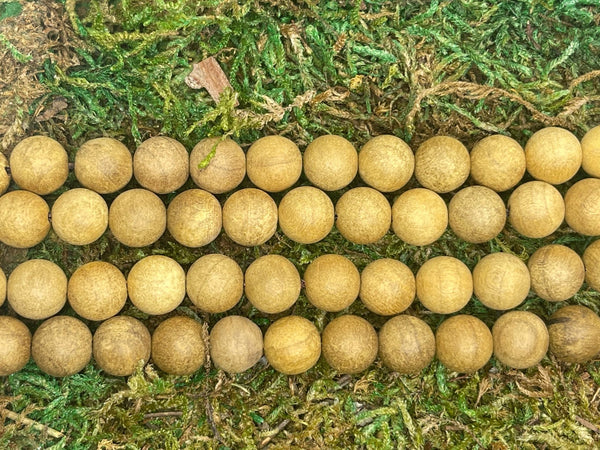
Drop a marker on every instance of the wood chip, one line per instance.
(207, 74)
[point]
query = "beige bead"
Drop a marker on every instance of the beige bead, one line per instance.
(442, 164)
(236, 344)
(332, 282)
(591, 261)
(272, 284)
(37, 289)
(350, 344)
(4, 176)
(39, 164)
(574, 334)
(23, 219)
(103, 165)
(178, 346)
(306, 214)
(498, 162)
(536, 209)
(156, 284)
(419, 216)
(120, 344)
(273, 163)
(16, 345)
(444, 284)
(215, 283)
(364, 215)
(97, 290)
(557, 272)
(137, 218)
(79, 216)
(464, 343)
(2, 286)
(194, 218)
(330, 162)
(582, 207)
(224, 171)
(161, 164)
(62, 346)
(553, 155)
(250, 217)
(476, 214)
(501, 281)
(386, 163)
(590, 149)
(387, 287)
(292, 345)
(520, 339)
(406, 344)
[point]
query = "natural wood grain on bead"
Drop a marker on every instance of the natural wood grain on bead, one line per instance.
(476, 214)
(250, 217)
(442, 164)
(103, 165)
(406, 344)
(23, 219)
(350, 344)
(498, 162)
(273, 163)
(536, 209)
(120, 344)
(419, 216)
(574, 334)
(444, 284)
(557, 272)
(463, 343)
(215, 283)
(236, 344)
(306, 214)
(292, 345)
(39, 164)
(501, 281)
(386, 163)
(332, 282)
(520, 339)
(364, 215)
(330, 162)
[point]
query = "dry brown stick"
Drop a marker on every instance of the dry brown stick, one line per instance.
(477, 91)
(211, 420)
(162, 414)
(274, 433)
(583, 78)
(460, 427)
(29, 422)
(589, 425)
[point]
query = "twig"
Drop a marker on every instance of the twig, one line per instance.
(211, 421)
(465, 89)
(29, 422)
(274, 433)
(583, 78)
(162, 414)
(343, 381)
(587, 424)
(460, 427)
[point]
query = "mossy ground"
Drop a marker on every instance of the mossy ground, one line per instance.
(77, 70)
